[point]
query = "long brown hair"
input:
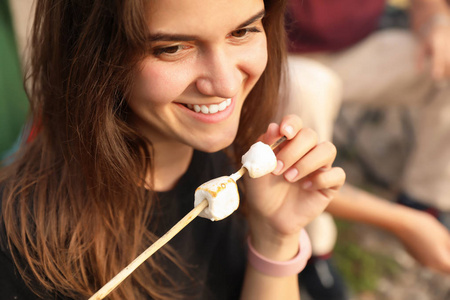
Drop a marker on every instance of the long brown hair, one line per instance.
(73, 209)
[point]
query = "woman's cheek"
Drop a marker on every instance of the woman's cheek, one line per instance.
(256, 62)
(262, 56)
(159, 83)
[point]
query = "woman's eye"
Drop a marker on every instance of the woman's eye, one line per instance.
(167, 50)
(243, 32)
(240, 32)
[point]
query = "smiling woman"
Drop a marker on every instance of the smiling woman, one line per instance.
(208, 62)
(134, 104)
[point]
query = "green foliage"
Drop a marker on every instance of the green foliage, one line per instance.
(361, 268)
(13, 100)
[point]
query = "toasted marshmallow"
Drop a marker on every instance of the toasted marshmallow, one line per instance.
(259, 160)
(222, 195)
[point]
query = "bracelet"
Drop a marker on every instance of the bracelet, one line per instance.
(281, 268)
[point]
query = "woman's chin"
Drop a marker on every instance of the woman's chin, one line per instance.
(214, 144)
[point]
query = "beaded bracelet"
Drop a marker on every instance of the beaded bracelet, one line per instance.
(281, 268)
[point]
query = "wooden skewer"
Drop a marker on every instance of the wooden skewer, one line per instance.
(278, 142)
(122, 275)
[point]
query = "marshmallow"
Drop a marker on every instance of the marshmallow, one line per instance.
(222, 195)
(259, 160)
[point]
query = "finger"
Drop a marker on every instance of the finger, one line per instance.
(322, 156)
(290, 126)
(296, 148)
(440, 43)
(447, 60)
(271, 135)
(332, 178)
(438, 60)
(329, 193)
(447, 258)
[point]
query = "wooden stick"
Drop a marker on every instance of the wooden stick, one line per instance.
(122, 275)
(278, 142)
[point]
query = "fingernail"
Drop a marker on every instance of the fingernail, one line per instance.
(279, 167)
(307, 185)
(289, 130)
(291, 174)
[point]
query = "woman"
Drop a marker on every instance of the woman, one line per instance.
(132, 102)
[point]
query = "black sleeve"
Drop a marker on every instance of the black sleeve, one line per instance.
(12, 287)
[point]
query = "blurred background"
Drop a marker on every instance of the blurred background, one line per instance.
(373, 145)
(13, 100)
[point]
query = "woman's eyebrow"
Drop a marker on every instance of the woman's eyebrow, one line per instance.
(253, 19)
(184, 38)
(171, 37)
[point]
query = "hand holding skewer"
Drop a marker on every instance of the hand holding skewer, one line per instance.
(122, 275)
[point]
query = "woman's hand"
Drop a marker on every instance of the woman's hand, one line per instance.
(304, 182)
(425, 238)
(436, 47)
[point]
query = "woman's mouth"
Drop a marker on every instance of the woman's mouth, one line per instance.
(209, 109)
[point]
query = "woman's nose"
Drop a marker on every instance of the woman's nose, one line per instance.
(220, 76)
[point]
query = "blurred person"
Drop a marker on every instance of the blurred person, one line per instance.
(337, 54)
(380, 68)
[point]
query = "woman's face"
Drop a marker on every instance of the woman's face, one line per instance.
(205, 56)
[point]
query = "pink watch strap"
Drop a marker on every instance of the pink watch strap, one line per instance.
(281, 268)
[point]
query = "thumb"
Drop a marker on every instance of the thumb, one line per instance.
(271, 135)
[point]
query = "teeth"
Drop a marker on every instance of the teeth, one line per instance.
(222, 106)
(213, 109)
(210, 109)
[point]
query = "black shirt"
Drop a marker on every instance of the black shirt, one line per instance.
(214, 252)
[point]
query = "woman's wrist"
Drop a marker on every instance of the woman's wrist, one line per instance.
(275, 248)
(270, 242)
(279, 268)
(393, 218)
(438, 19)
(403, 217)
(422, 11)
